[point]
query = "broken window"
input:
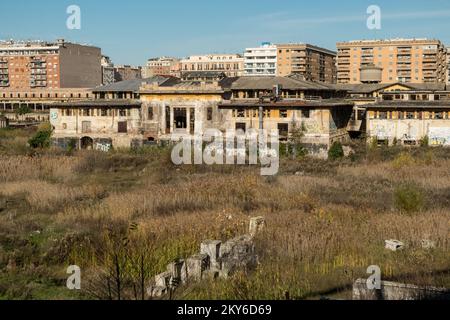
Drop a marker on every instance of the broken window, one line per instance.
(283, 113)
(306, 114)
(122, 113)
(438, 115)
(104, 112)
(283, 129)
(410, 115)
(150, 113)
(382, 115)
(209, 114)
(241, 113)
(122, 127)
(241, 126)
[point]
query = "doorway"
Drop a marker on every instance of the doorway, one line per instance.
(180, 118)
(87, 143)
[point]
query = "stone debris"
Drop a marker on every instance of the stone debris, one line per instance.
(256, 225)
(394, 245)
(428, 244)
(216, 259)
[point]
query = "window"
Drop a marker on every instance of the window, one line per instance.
(306, 114)
(209, 114)
(241, 113)
(283, 129)
(283, 113)
(438, 115)
(150, 113)
(122, 113)
(122, 127)
(410, 115)
(104, 112)
(241, 126)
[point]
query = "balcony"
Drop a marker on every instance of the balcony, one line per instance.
(429, 66)
(344, 53)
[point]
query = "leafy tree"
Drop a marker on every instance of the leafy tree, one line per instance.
(42, 138)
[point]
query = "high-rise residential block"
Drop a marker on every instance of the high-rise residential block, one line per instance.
(261, 61)
(232, 65)
(311, 62)
(389, 61)
(37, 65)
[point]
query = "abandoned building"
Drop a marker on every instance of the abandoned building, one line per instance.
(319, 110)
(176, 109)
(406, 122)
(161, 108)
(111, 119)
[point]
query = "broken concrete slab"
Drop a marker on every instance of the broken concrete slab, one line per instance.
(212, 249)
(178, 271)
(238, 254)
(257, 225)
(196, 266)
(394, 245)
(398, 291)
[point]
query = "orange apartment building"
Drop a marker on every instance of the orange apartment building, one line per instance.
(389, 61)
(30, 66)
(311, 62)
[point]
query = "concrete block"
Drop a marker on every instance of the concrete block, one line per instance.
(257, 225)
(211, 248)
(196, 266)
(398, 291)
(394, 245)
(163, 279)
(428, 244)
(178, 271)
(237, 254)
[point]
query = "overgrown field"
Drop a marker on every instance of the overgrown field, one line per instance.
(122, 217)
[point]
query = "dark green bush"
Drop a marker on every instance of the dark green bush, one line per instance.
(41, 139)
(336, 151)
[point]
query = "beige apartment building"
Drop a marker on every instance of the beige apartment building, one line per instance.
(390, 61)
(230, 64)
(311, 62)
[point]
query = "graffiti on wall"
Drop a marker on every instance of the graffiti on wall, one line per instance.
(439, 136)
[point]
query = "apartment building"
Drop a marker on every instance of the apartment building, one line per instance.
(448, 65)
(310, 62)
(36, 65)
(389, 61)
(230, 64)
(261, 61)
(126, 72)
(107, 71)
(162, 66)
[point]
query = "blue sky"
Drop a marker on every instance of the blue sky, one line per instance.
(132, 31)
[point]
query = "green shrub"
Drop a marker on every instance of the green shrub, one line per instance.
(41, 139)
(336, 151)
(408, 198)
(424, 142)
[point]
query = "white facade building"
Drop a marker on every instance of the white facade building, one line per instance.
(261, 61)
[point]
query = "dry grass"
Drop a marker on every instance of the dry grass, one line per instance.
(325, 227)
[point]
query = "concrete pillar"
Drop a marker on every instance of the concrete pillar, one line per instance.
(188, 120)
(211, 248)
(172, 119)
(178, 271)
(196, 266)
